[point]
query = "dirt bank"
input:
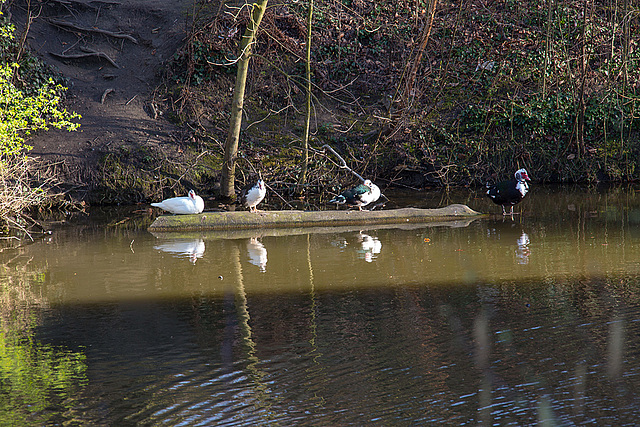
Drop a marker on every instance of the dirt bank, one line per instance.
(114, 89)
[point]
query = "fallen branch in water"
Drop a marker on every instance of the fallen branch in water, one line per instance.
(15, 224)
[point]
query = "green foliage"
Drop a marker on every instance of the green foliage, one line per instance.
(29, 101)
(32, 107)
(6, 36)
(38, 381)
(21, 115)
(533, 117)
(34, 376)
(553, 117)
(519, 91)
(201, 62)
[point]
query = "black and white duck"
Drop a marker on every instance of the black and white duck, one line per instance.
(511, 192)
(253, 194)
(359, 196)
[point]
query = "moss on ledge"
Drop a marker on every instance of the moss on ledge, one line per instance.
(289, 219)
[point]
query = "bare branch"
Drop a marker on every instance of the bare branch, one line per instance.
(343, 164)
(89, 54)
(105, 93)
(66, 24)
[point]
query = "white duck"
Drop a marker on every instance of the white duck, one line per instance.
(191, 204)
(371, 246)
(189, 248)
(257, 254)
(251, 196)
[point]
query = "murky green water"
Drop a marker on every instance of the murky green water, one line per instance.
(493, 321)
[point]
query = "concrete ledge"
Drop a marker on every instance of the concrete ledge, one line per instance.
(244, 220)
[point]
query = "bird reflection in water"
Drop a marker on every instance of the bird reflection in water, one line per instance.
(192, 249)
(523, 251)
(257, 253)
(370, 247)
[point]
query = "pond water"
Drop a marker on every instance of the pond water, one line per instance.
(495, 320)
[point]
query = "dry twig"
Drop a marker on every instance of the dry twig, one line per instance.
(104, 95)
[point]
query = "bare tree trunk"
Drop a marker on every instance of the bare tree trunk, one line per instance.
(307, 122)
(227, 187)
(626, 40)
(547, 53)
(406, 86)
(409, 88)
(584, 60)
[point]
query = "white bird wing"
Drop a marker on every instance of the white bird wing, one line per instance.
(178, 205)
(199, 205)
(375, 193)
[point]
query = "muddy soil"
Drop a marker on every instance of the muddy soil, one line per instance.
(112, 53)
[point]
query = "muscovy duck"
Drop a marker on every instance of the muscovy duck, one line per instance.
(359, 196)
(509, 193)
(190, 204)
(252, 195)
